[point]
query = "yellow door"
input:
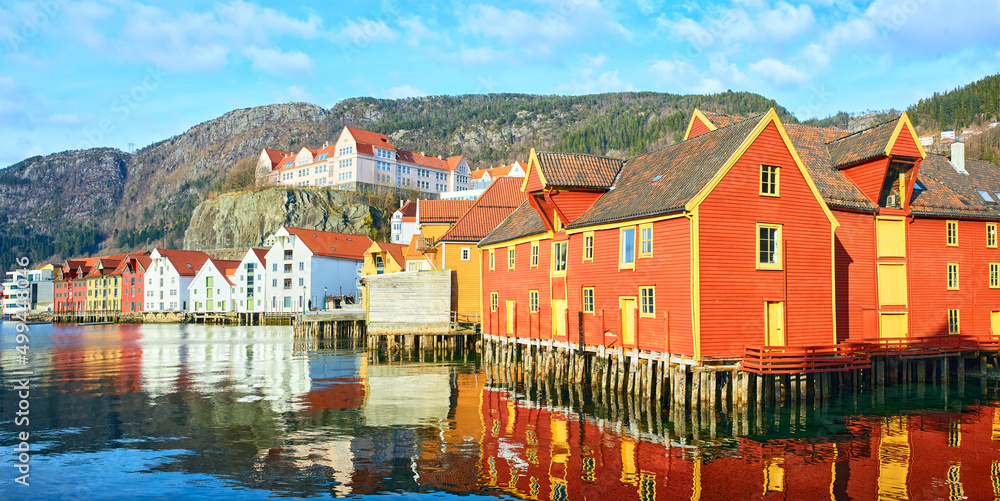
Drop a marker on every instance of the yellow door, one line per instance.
(628, 307)
(559, 317)
(510, 317)
(892, 325)
(995, 322)
(775, 324)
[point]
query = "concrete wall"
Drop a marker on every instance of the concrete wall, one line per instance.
(411, 302)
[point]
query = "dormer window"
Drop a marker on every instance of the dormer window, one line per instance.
(985, 195)
(894, 187)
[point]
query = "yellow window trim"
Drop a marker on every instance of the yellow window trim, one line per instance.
(535, 256)
(639, 305)
(628, 222)
(777, 236)
(948, 277)
(593, 239)
(948, 225)
(621, 241)
(583, 302)
(777, 179)
(552, 252)
(511, 255)
(494, 301)
(991, 226)
(994, 275)
(533, 307)
(493, 260)
(642, 227)
(958, 321)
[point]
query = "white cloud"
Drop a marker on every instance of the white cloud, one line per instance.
(785, 22)
(364, 32)
(67, 120)
(779, 73)
(298, 94)
(681, 77)
(17, 105)
(478, 55)
(542, 33)
(178, 40)
(416, 31)
(277, 62)
(403, 91)
(649, 7)
(590, 80)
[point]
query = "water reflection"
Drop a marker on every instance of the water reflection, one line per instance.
(249, 412)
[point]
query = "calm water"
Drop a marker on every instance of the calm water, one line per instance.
(188, 411)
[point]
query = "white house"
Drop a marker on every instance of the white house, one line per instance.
(34, 291)
(948, 134)
(170, 273)
(303, 265)
(251, 287)
(926, 140)
(213, 288)
(404, 223)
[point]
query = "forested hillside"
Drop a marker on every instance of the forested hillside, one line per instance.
(975, 103)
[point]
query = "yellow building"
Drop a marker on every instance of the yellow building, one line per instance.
(456, 248)
(384, 257)
(104, 291)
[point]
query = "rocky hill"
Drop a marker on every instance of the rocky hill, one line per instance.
(103, 200)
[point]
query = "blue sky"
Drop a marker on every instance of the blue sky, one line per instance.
(108, 73)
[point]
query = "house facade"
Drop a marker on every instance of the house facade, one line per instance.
(384, 257)
(132, 270)
(169, 276)
(213, 287)
(303, 265)
(699, 249)
(360, 159)
(251, 286)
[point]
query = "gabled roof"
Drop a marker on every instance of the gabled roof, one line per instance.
(452, 162)
(488, 211)
(523, 222)
(721, 120)
(396, 251)
(226, 268)
(837, 189)
(442, 211)
(371, 138)
(412, 252)
(424, 160)
(328, 243)
(862, 145)
(186, 262)
(949, 193)
(666, 180)
(276, 156)
(409, 211)
(577, 170)
(261, 255)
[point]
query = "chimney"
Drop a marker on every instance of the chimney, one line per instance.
(958, 158)
(441, 157)
(326, 144)
(423, 154)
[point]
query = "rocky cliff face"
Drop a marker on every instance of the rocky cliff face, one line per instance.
(246, 219)
(65, 189)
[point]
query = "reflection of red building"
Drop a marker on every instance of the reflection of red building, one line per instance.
(542, 454)
(104, 359)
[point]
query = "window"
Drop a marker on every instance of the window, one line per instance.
(952, 276)
(588, 299)
(534, 254)
(994, 275)
(627, 248)
(769, 180)
(952, 232)
(466, 253)
(302, 265)
(953, 321)
(646, 240)
(533, 301)
(494, 301)
(991, 234)
(559, 256)
(493, 260)
(510, 257)
(588, 246)
(288, 284)
(768, 246)
(288, 267)
(288, 255)
(648, 295)
(274, 267)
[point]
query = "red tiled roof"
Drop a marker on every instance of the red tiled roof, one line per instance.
(577, 170)
(276, 156)
(327, 243)
(454, 161)
(397, 251)
(442, 211)
(371, 138)
(411, 249)
(488, 211)
(523, 222)
(186, 262)
(261, 255)
(409, 211)
(861, 145)
(721, 120)
(424, 160)
(837, 189)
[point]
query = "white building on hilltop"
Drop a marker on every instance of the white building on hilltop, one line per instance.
(359, 159)
(303, 265)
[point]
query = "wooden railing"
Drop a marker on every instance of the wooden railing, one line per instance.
(799, 359)
(857, 354)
